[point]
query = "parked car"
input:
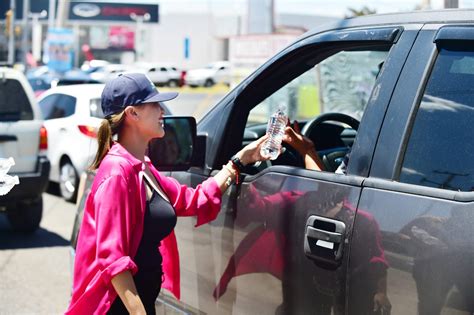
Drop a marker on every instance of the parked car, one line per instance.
(213, 73)
(391, 235)
(162, 74)
(24, 138)
(43, 79)
(109, 71)
(72, 118)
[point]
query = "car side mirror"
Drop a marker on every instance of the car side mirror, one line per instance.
(174, 152)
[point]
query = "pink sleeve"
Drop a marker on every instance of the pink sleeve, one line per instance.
(114, 221)
(204, 201)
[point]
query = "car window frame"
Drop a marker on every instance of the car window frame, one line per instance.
(248, 92)
(395, 133)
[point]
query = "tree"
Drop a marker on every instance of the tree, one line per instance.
(363, 11)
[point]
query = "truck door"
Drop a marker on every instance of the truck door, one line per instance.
(281, 242)
(419, 193)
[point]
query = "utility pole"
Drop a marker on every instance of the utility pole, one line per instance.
(63, 7)
(11, 34)
(25, 33)
(37, 33)
(51, 13)
(139, 38)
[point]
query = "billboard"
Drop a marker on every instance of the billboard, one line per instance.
(59, 51)
(36, 6)
(111, 11)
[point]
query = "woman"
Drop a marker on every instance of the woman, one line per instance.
(126, 248)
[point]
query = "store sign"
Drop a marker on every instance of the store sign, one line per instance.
(86, 10)
(111, 12)
(121, 37)
(36, 6)
(59, 51)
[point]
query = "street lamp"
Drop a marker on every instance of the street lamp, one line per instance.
(139, 20)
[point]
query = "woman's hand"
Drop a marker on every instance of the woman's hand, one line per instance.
(251, 152)
(294, 138)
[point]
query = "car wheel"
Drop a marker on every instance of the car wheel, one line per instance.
(208, 83)
(68, 181)
(173, 83)
(26, 215)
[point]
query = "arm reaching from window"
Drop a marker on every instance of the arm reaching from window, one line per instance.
(304, 146)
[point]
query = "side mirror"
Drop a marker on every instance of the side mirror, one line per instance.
(174, 152)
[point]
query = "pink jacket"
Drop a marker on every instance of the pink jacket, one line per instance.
(112, 228)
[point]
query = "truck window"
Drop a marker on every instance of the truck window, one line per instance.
(440, 147)
(341, 83)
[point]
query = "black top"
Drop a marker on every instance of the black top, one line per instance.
(159, 221)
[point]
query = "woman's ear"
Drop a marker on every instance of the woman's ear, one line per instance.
(131, 113)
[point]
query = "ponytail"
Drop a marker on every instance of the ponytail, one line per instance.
(108, 128)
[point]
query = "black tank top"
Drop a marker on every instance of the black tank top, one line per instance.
(159, 221)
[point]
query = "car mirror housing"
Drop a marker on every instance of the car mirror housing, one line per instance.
(174, 152)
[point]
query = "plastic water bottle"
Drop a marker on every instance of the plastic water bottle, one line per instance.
(275, 130)
(5, 165)
(6, 181)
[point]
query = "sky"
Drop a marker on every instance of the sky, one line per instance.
(336, 8)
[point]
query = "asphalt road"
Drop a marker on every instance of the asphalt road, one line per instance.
(35, 269)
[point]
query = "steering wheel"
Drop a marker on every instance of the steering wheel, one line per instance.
(330, 160)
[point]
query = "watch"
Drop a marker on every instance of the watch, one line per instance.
(237, 163)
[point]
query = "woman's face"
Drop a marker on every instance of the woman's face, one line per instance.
(151, 123)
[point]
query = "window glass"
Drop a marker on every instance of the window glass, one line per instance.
(341, 83)
(46, 104)
(95, 108)
(58, 106)
(439, 151)
(14, 103)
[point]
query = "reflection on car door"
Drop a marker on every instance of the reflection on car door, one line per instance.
(419, 191)
(281, 242)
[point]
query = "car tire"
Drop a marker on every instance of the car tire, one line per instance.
(208, 83)
(26, 215)
(68, 181)
(173, 83)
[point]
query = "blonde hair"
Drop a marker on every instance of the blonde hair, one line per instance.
(108, 128)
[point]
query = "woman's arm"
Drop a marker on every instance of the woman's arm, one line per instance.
(125, 287)
(248, 155)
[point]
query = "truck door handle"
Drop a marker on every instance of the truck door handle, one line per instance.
(323, 235)
(324, 239)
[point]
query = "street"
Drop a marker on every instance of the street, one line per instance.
(35, 269)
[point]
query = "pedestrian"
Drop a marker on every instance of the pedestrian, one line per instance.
(127, 250)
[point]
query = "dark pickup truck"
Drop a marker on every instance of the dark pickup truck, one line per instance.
(394, 233)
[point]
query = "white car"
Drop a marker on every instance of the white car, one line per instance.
(161, 74)
(109, 72)
(72, 118)
(213, 73)
(23, 137)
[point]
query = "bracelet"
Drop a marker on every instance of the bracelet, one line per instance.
(232, 171)
(228, 181)
(237, 163)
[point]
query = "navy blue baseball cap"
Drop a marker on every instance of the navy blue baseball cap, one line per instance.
(130, 89)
